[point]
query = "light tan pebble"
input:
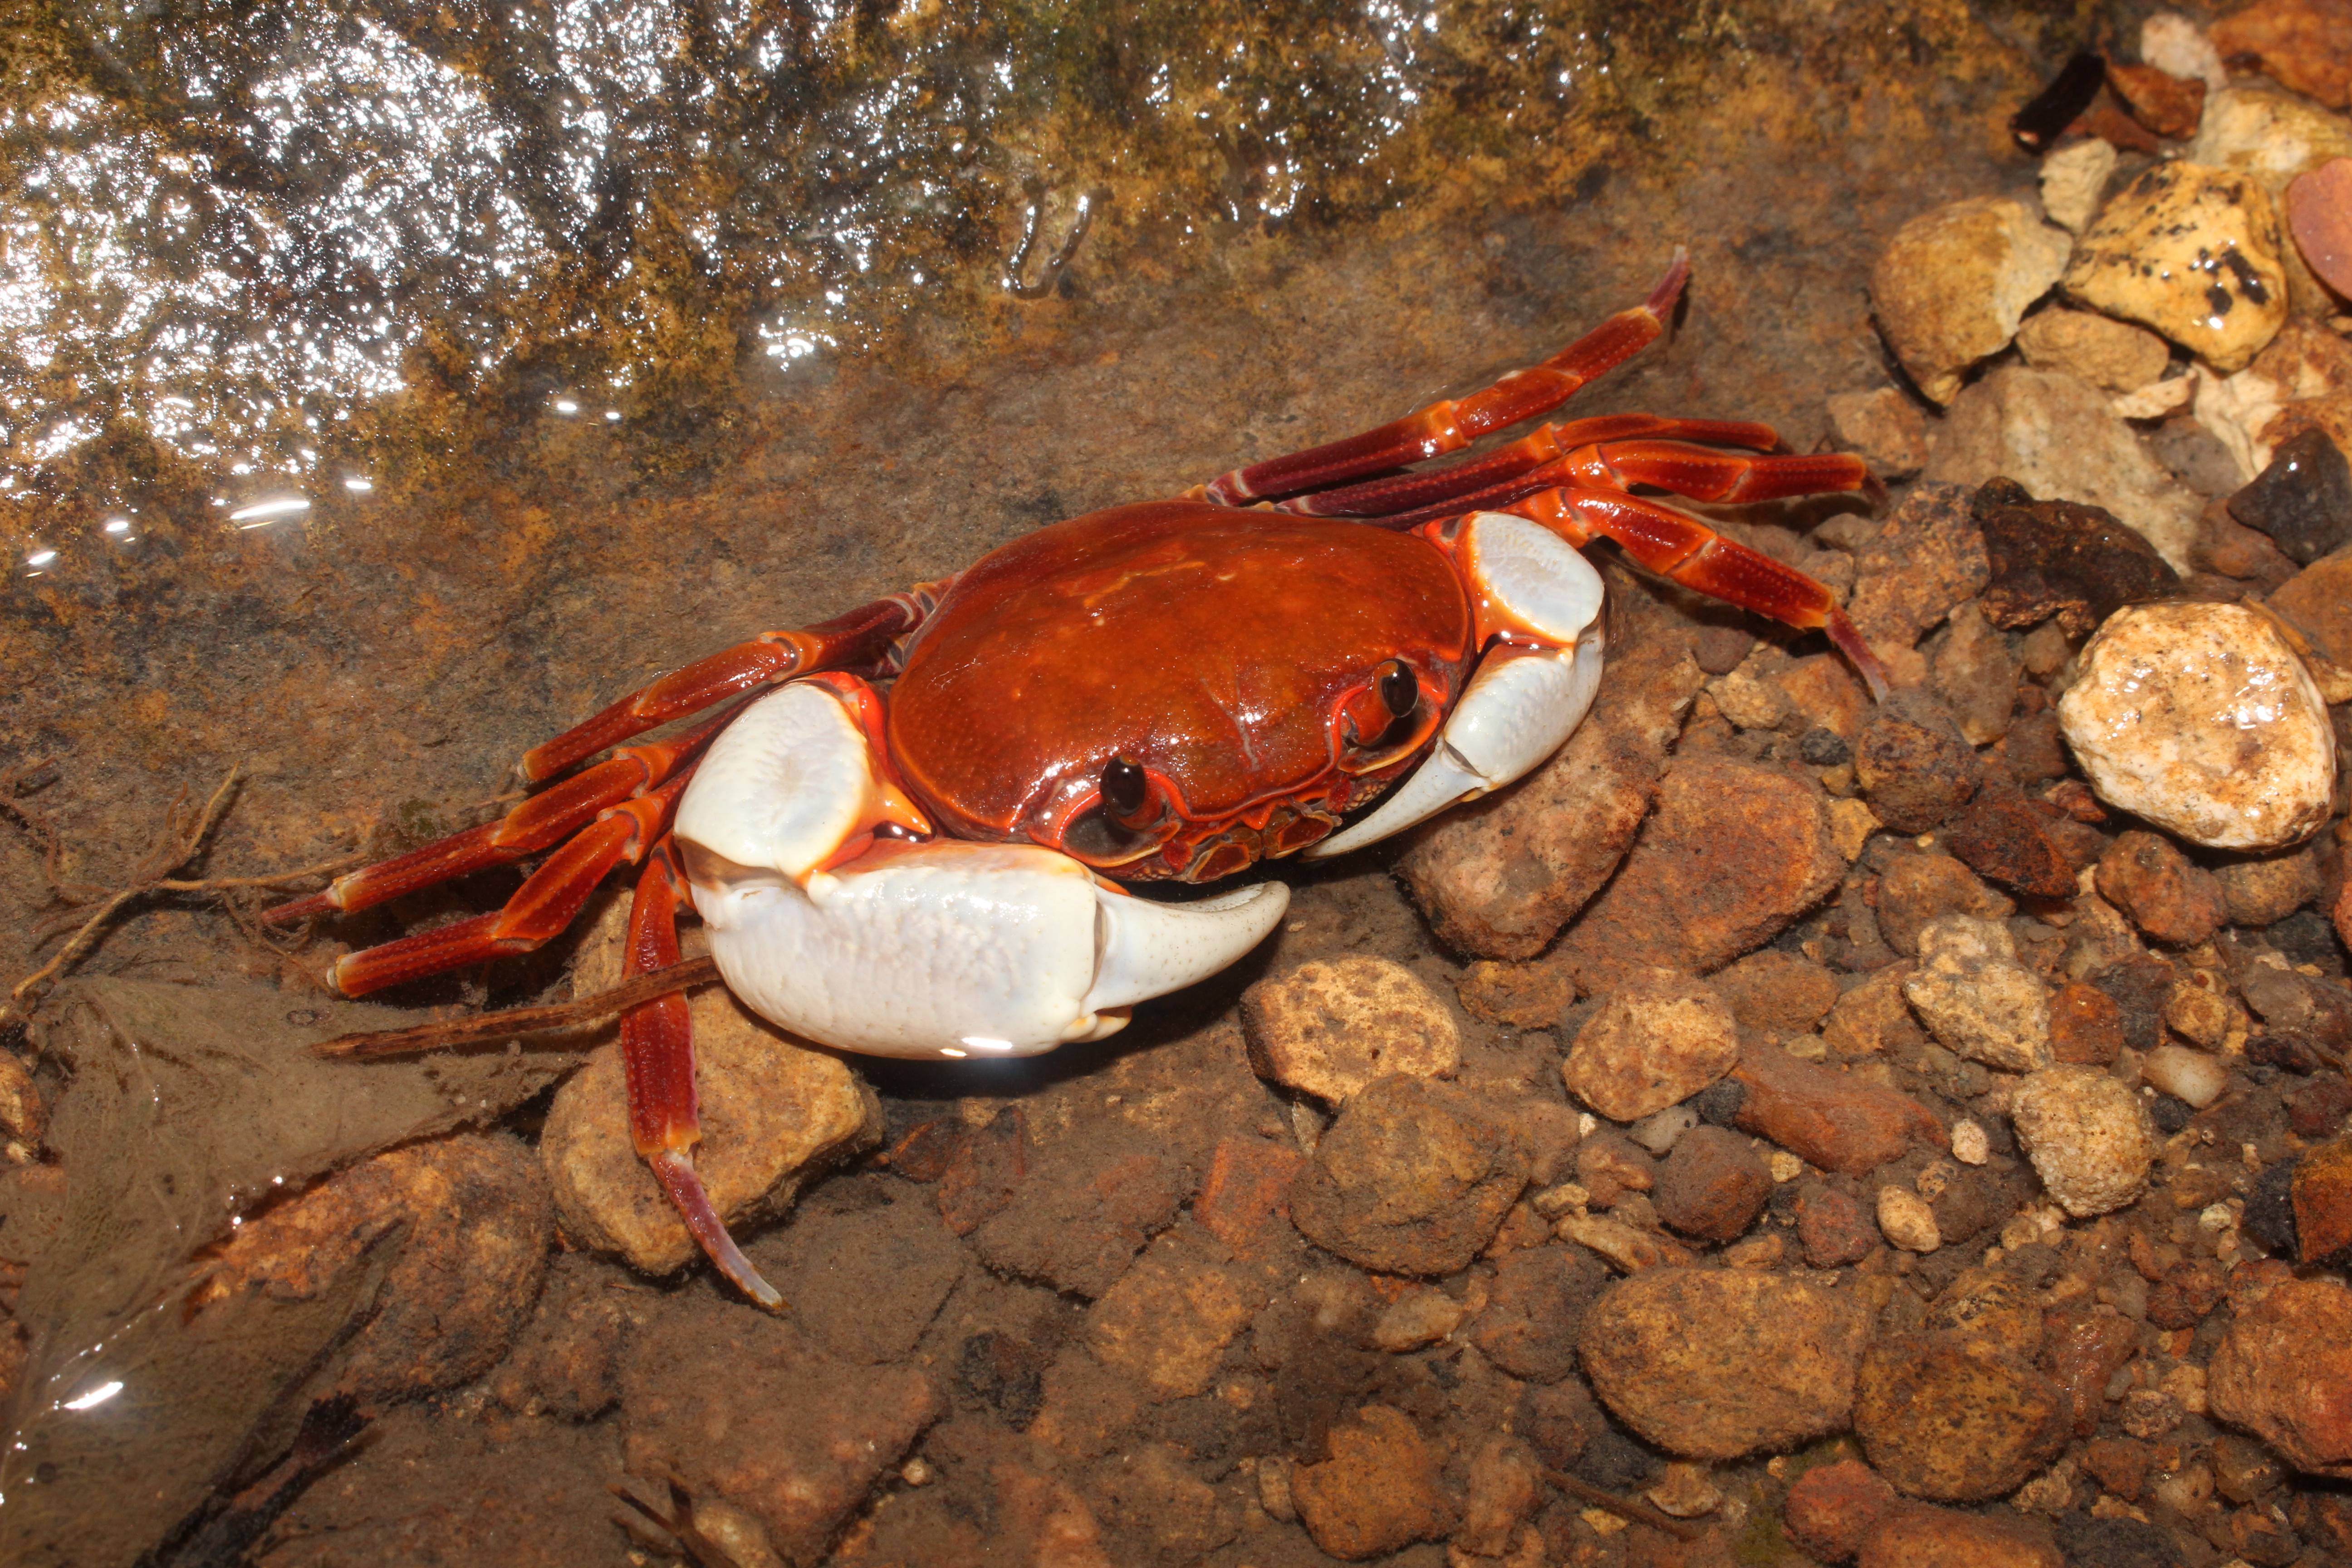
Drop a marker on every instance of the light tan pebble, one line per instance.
(1420, 1317)
(2050, 1493)
(1955, 281)
(2075, 181)
(1749, 703)
(2199, 1010)
(1330, 1026)
(2178, 46)
(1969, 1144)
(1851, 822)
(2155, 399)
(2235, 410)
(1661, 1132)
(1273, 1488)
(1936, 1179)
(2186, 1075)
(2110, 355)
(1554, 1202)
(741, 1538)
(2186, 1383)
(1907, 1221)
(1976, 997)
(1630, 1250)
(1785, 1167)
(1885, 428)
(2089, 1136)
(2194, 252)
(1653, 1042)
(1685, 1491)
(2199, 717)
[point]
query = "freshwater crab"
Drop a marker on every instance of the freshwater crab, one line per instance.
(1168, 690)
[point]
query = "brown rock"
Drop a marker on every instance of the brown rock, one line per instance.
(1506, 1489)
(1629, 1249)
(2305, 45)
(2165, 104)
(2031, 752)
(2319, 215)
(1609, 1165)
(1927, 557)
(1499, 877)
(2264, 891)
(477, 1228)
(1245, 1200)
(1654, 1042)
(982, 1170)
(1530, 995)
(1330, 1026)
(2085, 1025)
(1832, 1508)
(1150, 1494)
(2082, 1348)
(1973, 672)
(1875, 1017)
(863, 1284)
(775, 1114)
(1713, 1185)
(2140, 986)
(1083, 1210)
(1915, 890)
(2057, 558)
(1378, 1492)
(1414, 1178)
(1735, 852)
(799, 1465)
(1718, 1364)
(2318, 1108)
(1884, 427)
(1941, 1538)
(1914, 766)
(1535, 1309)
(2168, 896)
(1953, 282)
(567, 1362)
(2113, 355)
(1832, 1120)
(2282, 1372)
(1559, 1421)
(2321, 1193)
(1833, 1227)
(2319, 602)
(2009, 839)
(1954, 1416)
(1778, 992)
(1168, 1318)
(2187, 1291)
(2120, 1465)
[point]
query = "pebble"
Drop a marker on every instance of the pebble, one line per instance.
(2086, 1025)
(1718, 1363)
(1954, 1416)
(2321, 1193)
(2060, 558)
(2016, 842)
(2084, 1347)
(1907, 1220)
(2193, 251)
(1421, 1316)
(1735, 852)
(1505, 1489)
(2198, 718)
(1629, 1249)
(1414, 1178)
(1874, 1018)
(2178, 47)
(1499, 877)
(1971, 1144)
(2304, 499)
(1914, 764)
(1652, 1043)
(2264, 891)
(2166, 104)
(1166, 1322)
(1379, 1491)
(2089, 1136)
(1953, 284)
(1712, 1186)
(1972, 671)
(1834, 1121)
(1832, 1508)
(2168, 897)
(2113, 355)
(2055, 436)
(2318, 600)
(1977, 998)
(1911, 570)
(1536, 1308)
(1245, 1200)
(1660, 1131)
(2192, 1077)
(2318, 218)
(775, 1115)
(1083, 1209)
(1917, 890)
(1884, 427)
(2281, 1370)
(799, 1465)
(1920, 1537)
(1330, 1026)
(2305, 45)
(2075, 181)
(1833, 1228)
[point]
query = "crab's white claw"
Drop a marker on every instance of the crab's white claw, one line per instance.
(1525, 698)
(920, 950)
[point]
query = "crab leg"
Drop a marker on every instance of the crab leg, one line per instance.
(1689, 551)
(858, 638)
(1402, 493)
(542, 908)
(1451, 424)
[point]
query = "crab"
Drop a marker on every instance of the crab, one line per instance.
(907, 830)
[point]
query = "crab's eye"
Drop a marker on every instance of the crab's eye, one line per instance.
(1123, 787)
(1398, 691)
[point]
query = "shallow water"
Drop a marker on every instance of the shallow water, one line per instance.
(593, 336)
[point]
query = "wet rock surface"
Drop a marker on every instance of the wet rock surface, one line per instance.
(2278, 1374)
(1414, 1178)
(1952, 285)
(1652, 1043)
(2089, 1136)
(1328, 1029)
(1954, 1416)
(2192, 252)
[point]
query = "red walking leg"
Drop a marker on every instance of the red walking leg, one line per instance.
(1683, 548)
(1728, 478)
(1451, 424)
(657, 1049)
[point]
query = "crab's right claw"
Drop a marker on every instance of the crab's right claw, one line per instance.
(929, 949)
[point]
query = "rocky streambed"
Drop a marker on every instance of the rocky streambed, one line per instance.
(1787, 1128)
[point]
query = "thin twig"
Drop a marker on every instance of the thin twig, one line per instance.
(523, 1020)
(1052, 273)
(176, 850)
(1623, 1507)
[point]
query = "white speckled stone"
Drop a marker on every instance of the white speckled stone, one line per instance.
(2192, 252)
(1954, 283)
(2089, 1138)
(2198, 718)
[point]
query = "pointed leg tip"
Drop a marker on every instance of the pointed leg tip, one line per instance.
(318, 903)
(1662, 298)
